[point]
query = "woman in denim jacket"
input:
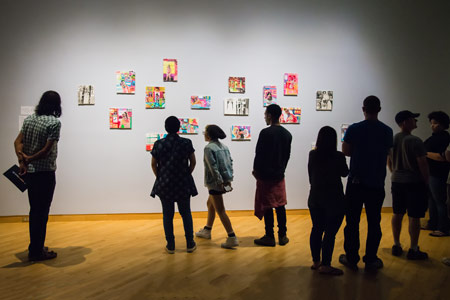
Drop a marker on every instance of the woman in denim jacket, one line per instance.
(218, 176)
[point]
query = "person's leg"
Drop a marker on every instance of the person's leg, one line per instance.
(268, 222)
(168, 208)
(211, 212)
(184, 207)
(281, 220)
(373, 203)
(439, 196)
(396, 223)
(217, 201)
(315, 238)
(417, 206)
(332, 225)
(414, 232)
(354, 205)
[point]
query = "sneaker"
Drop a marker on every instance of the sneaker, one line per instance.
(446, 261)
(203, 233)
(191, 247)
(416, 255)
(169, 250)
(343, 260)
(283, 240)
(231, 242)
(265, 241)
(374, 265)
(397, 250)
(44, 255)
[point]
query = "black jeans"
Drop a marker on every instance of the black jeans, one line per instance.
(41, 186)
(356, 196)
(281, 219)
(323, 234)
(184, 207)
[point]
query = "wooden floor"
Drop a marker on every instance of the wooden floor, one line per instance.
(126, 260)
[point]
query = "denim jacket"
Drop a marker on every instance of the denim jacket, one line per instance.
(218, 165)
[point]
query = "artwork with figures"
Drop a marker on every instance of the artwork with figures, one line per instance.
(269, 94)
(170, 70)
(120, 118)
(236, 85)
(86, 95)
(236, 106)
(200, 102)
(151, 138)
(290, 84)
(324, 100)
(290, 115)
(240, 133)
(125, 82)
(155, 97)
(188, 126)
(344, 128)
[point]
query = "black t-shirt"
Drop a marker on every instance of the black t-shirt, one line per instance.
(437, 143)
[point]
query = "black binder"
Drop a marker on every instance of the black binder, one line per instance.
(13, 175)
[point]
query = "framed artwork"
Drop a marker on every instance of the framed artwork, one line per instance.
(324, 100)
(269, 94)
(240, 133)
(155, 97)
(125, 82)
(236, 106)
(170, 70)
(236, 85)
(188, 126)
(290, 84)
(344, 128)
(290, 115)
(200, 102)
(86, 95)
(151, 138)
(120, 118)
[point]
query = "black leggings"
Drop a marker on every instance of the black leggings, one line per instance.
(281, 219)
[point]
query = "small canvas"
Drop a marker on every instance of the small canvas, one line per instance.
(240, 133)
(125, 82)
(155, 97)
(151, 138)
(200, 102)
(269, 94)
(236, 106)
(324, 100)
(120, 118)
(290, 115)
(344, 128)
(188, 126)
(236, 85)
(290, 84)
(170, 70)
(86, 95)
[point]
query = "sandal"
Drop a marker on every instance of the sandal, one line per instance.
(438, 233)
(329, 270)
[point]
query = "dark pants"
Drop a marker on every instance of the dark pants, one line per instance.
(281, 220)
(184, 207)
(41, 186)
(437, 204)
(356, 196)
(323, 234)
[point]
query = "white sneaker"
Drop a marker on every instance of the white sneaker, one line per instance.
(203, 233)
(231, 242)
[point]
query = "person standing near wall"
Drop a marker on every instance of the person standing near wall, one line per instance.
(446, 260)
(367, 143)
(273, 150)
(36, 150)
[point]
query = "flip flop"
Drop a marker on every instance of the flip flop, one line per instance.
(332, 271)
(438, 233)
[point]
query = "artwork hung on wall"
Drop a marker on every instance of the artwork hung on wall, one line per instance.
(125, 82)
(200, 102)
(155, 97)
(269, 94)
(170, 70)
(236, 106)
(188, 126)
(86, 95)
(240, 133)
(344, 128)
(151, 138)
(236, 85)
(290, 84)
(120, 118)
(324, 100)
(290, 115)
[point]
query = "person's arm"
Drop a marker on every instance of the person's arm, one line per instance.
(192, 162)
(389, 160)
(344, 167)
(44, 152)
(346, 149)
(423, 168)
(259, 155)
(18, 146)
(447, 154)
(435, 156)
(155, 166)
(211, 164)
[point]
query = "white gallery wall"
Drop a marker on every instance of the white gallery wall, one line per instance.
(397, 50)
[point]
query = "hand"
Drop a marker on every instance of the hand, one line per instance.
(254, 175)
(22, 169)
(25, 158)
(227, 187)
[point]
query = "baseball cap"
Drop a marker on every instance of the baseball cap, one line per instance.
(404, 115)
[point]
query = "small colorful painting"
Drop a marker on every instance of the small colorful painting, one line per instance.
(290, 115)
(188, 126)
(151, 138)
(344, 128)
(240, 133)
(155, 97)
(125, 82)
(269, 94)
(86, 95)
(200, 102)
(290, 84)
(236, 85)
(170, 70)
(324, 100)
(120, 118)
(236, 106)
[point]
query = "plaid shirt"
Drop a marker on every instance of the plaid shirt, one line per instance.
(37, 130)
